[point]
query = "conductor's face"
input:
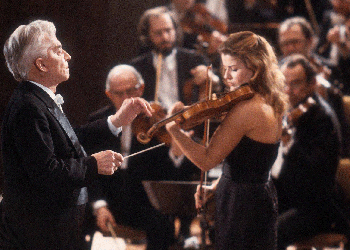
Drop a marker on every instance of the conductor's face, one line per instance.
(55, 64)
(162, 33)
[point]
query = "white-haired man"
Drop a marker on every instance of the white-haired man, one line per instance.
(46, 168)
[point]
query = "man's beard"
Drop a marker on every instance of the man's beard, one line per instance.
(164, 51)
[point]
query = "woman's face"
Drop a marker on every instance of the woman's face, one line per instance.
(235, 72)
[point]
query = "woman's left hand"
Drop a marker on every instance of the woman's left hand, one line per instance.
(177, 107)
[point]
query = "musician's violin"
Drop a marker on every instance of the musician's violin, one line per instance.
(142, 123)
(294, 115)
(199, 20)
(199, 112)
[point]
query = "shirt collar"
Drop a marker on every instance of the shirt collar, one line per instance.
(46, 89)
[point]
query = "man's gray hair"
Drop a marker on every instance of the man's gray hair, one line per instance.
(25, 45)
(120, 69)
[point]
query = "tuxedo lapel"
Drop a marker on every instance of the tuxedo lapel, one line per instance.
(58, 114)
(65, 124)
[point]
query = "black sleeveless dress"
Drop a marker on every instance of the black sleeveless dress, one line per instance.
(246, 199)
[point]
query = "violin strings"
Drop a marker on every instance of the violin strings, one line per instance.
(142, 151)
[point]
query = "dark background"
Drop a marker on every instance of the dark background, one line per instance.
(98, 34)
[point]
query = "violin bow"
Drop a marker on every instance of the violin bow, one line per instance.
(312, 16)
(205, 141)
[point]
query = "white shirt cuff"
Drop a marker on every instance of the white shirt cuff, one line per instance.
(98, 204)
(115, 131)
(177, 160)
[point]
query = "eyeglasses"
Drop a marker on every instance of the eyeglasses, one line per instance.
(291, 42)
(129, 92)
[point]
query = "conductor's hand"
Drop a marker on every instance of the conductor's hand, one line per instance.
(108, 161)
(104, 216)
(130, 108)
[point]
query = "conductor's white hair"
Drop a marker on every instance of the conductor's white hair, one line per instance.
(25, 45)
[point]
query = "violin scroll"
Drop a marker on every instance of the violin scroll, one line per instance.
(143, 138)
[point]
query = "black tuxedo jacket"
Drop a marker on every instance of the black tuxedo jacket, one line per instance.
(308, 172)
(124, 188)
(46, 169)
(186, 60)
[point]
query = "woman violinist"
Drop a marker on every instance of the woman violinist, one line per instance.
(247, 141)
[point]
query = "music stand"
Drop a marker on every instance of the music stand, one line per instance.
(172, 197)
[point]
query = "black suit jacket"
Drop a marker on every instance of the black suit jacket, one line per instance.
(124, 187)
(308, 173)
(186, 60)
(46, 170)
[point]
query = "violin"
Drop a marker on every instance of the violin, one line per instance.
(142, 123)
(198, 20)
(198, 113)
(293, 117)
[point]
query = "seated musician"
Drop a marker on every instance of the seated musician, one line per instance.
(304, 173)
(168, 69)
(198, 28)
(295, 35)
(334, 40)
(121, 198)
(170, 73)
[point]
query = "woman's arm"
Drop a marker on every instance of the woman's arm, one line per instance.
(226, 137)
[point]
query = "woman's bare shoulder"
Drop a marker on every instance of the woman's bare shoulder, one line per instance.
(257, 118)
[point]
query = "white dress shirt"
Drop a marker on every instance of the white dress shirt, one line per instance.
(168, 91)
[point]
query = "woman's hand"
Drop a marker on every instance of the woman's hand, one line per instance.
(177, 107)
(203, 196)
(201, 200)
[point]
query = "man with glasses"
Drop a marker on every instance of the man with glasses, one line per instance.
(46, 167)
(167, 68)
(296, 36)
(304, 173)
(121, 198)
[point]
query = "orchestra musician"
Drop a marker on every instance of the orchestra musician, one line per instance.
(168, 69)
(198, 28)
(46, 168)
(304, 173)
(335, 40)
(120, 199)
(247, 141)
(295, 35)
